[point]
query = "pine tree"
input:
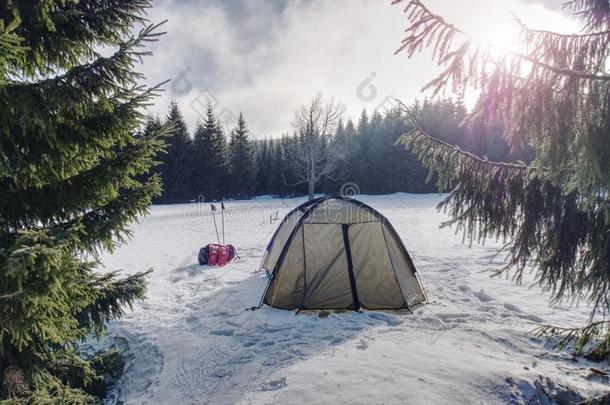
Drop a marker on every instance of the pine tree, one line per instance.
(381, 145)
(202, 182)
(376, 163)
(553, 96)
(242, 161)
(340, 149)
(406, 172)
(444, 118)
(362, 165)
(352, 154)
(220, 159)
(211, 168)
(350, 131)
(176, 163)
(70, 159)
(277, 176)
(263, 166)
(292, 169)
(152, 126)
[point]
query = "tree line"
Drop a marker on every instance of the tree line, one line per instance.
(208, 164)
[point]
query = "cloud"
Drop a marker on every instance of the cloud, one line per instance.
(555, 5)
(267, 57)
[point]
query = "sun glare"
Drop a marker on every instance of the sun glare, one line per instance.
(501, 34)
(495, 23)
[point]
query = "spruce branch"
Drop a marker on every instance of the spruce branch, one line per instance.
(73, 32)
(78, 139)
(430, 30)
(113, 294)
(449, 148)
(558, 35)
(546, 228)
(595, 14)
(104, 73)
(511, 83)
(566, 49)
(11, 48)
(592, 340)
(553, 213)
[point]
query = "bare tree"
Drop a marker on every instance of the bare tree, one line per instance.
(314, 123)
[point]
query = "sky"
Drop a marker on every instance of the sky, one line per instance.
(264, 58)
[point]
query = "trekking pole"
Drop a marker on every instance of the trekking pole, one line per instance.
(215, 226)
(222, 216)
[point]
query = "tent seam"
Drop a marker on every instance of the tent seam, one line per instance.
(311, 204)
(387, 249)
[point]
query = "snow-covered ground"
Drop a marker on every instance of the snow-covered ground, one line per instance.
(192, 341)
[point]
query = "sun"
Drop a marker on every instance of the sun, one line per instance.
(502, 34)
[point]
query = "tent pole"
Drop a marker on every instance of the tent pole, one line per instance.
(350, 266)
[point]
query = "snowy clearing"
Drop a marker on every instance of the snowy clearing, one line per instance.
(192, 341)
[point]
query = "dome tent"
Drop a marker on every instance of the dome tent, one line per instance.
(339, 253)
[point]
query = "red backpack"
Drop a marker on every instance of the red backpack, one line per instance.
(212, 254)
(216, 255)
(219, 255)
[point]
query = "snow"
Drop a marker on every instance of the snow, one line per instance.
(192, 341)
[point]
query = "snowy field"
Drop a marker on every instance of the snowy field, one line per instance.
(192, 341)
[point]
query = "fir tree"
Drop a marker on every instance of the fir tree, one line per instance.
(242, 161)
(407, 173)
(202, 182)
(340, 149)
(70, 160)
(220, 159)
(277, 174)
(176, 164)
(554, 97)
(379, 175)
(352, 153)
(350, 131)
(210, 174)
(291, 147)
(263, 166)
(361, 165)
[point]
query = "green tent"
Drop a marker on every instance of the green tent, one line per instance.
(339, 253)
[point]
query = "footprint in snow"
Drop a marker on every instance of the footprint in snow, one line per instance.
(174, 280)
(533, 318)
(454, 317)
(464, 288)
(337, 340)
(193, 322)
(243, 358)
(482, 296)
(271, 362)
(223, 332)
(273, 385)
(362, 345)
(513, 308)
(390, 320)
(488, 308)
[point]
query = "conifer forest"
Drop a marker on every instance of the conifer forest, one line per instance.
(304, 202)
